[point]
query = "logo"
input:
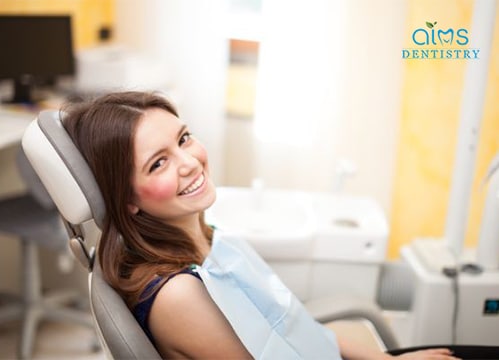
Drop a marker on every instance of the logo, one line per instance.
(431, 43)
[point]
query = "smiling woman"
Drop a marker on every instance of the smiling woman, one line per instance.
(144, 160)
(155, 180)
(156, 248)
(171, 176)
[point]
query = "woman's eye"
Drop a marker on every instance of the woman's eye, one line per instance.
(156, 164)
(184, 138)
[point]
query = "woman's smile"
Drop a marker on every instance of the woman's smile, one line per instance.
(196, 185)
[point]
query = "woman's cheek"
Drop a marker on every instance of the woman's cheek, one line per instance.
(158, 190)
(202, 155)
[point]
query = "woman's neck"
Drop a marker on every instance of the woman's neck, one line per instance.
(192, 226)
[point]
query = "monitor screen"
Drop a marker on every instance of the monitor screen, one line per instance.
(34, 48)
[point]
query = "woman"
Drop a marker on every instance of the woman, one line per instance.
(155, 180)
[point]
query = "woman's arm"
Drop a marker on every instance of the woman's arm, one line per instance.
(185, 322)
(351, 350)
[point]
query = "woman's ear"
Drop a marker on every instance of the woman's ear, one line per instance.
(134, 209)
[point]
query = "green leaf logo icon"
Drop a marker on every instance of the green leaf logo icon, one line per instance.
(431, 25)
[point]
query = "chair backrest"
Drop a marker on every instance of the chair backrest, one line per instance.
(72, 187)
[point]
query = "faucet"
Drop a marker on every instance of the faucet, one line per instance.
(345, 168)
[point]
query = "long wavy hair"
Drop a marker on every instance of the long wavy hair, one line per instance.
(133, 247)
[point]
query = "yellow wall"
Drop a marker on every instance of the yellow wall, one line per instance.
(87, 15)
(431, 96)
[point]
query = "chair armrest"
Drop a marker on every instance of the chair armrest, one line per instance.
(332, 308)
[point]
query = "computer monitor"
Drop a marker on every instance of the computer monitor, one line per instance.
(34, 49)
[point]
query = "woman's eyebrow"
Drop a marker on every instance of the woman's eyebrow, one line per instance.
(156, 153)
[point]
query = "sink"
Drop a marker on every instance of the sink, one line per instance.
(290, 224)
(308, 238)
(351, 228)
(278, 223)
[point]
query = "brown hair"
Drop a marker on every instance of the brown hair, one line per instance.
(133, 248)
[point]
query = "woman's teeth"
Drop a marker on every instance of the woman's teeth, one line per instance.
(194, 186)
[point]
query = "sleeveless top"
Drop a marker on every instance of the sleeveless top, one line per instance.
(142, 309)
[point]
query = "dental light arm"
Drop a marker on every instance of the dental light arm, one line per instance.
(473, 99)
(488, 242)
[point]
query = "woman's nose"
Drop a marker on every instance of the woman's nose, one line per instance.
(186, 163)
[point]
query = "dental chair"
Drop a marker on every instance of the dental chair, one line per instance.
(72, 187)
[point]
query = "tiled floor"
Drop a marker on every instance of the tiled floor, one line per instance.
(54, 341)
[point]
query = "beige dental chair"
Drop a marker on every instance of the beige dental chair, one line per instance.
(72, 186)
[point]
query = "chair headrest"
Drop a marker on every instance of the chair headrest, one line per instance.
(63, 170)
(33, 182)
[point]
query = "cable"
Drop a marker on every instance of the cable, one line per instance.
(453, 274)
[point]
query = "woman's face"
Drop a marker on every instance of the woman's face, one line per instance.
(171, 178)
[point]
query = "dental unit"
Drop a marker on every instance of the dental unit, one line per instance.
(456, 289)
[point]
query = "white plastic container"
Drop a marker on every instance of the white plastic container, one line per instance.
(349, 245)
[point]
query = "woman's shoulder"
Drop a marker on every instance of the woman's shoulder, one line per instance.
(175, 310)
(184, 319)
(182, 286)
(179, 292)
(143, 309)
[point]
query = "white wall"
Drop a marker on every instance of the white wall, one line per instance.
(298, 98)
(369, 130)
(362, 127)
